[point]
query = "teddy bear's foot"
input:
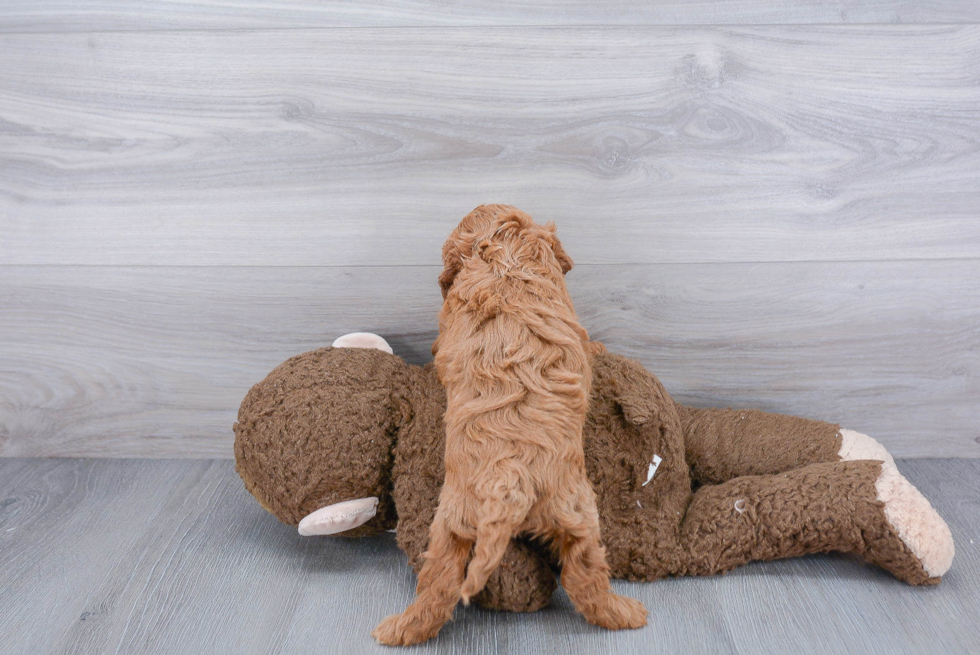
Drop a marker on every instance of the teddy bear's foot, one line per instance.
(409, 627)
(907, 512)
(614, 612)
(916, 522)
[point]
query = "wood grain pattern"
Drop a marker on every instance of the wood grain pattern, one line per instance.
(68, 525)
(365, 146)
(100, 15)
(147, 361)
(143, 556)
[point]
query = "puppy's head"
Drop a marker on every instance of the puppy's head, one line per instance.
(492, 232)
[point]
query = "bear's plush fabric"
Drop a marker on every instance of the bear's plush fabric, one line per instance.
(680, 490)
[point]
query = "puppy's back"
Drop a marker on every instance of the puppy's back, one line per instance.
(509, 340)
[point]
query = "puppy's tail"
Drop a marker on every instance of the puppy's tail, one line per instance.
(493, 535)
(492, 539)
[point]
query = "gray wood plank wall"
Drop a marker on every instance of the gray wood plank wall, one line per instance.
(768, 207)
(66, 15)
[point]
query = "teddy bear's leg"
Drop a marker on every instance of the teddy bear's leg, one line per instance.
(722, 444)
(848, 506)
(437, 592)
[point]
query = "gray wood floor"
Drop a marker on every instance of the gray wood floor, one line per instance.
(169, 556)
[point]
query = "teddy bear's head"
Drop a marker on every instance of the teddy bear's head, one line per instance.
(314, 439)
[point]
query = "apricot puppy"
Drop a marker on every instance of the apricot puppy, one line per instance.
(513, 359)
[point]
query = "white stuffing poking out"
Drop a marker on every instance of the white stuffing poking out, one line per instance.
(654, 465)
(740, 505)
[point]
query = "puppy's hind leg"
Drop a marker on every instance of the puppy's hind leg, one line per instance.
(437, 592)
(585, 573)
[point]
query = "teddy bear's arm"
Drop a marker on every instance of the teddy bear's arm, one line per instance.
(639, 394)
(718, 444)
(722, 444)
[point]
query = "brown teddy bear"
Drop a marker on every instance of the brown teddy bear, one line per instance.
(349, 440)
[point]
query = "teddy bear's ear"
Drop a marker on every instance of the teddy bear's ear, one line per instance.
(339, 517)
(362, 340)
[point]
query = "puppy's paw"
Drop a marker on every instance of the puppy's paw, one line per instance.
(404, 630)
(618, 613)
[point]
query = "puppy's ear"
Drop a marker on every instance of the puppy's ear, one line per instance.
(457, 245)
(448, 275)
(563, 259)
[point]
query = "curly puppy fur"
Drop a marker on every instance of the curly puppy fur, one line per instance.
(513, 359)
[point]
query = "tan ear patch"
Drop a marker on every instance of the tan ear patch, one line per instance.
(339, 517)
(362, 340)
